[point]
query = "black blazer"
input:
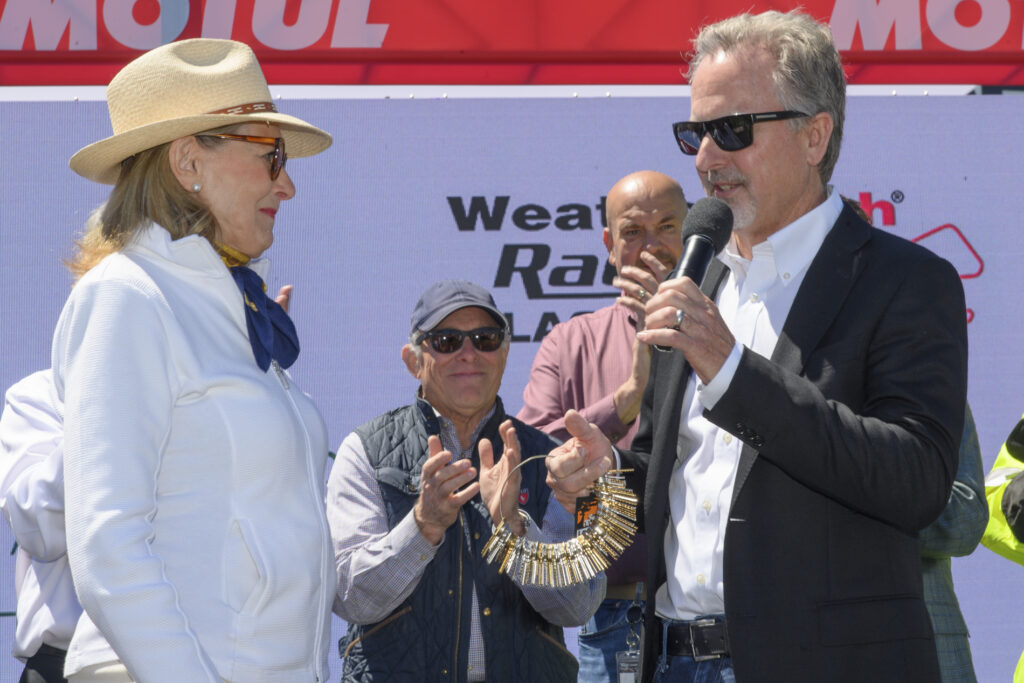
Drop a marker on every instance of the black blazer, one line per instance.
(851, 433)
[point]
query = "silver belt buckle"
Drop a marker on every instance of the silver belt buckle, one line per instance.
(699, 623)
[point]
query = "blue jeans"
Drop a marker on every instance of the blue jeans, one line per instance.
(686, 669)
(599, 640)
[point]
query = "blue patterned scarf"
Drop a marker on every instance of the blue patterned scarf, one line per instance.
(271, 332)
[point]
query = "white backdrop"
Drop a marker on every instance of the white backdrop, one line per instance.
(377, 217)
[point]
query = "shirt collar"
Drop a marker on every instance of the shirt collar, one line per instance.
(191, 251)
(792, 248)
(449, 436)
(630, 318)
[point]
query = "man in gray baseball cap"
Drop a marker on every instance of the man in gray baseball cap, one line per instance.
(409, 517)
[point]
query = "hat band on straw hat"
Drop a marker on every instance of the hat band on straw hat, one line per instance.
(251, 108)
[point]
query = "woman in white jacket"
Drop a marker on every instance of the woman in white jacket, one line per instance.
(193, 465)
(32, 500)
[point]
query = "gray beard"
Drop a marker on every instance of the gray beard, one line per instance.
(742, 215)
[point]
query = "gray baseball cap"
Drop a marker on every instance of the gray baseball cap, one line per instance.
(447, 296)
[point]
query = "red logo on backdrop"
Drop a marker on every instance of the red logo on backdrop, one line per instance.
(50, 42)
(524, 496)
(946, 240)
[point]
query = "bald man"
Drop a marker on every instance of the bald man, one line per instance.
(593, 363)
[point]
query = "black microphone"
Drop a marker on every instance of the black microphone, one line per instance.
(706, 230)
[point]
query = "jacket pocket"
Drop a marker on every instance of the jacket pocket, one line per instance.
(553, 641)
(400, 491)
(399, 479)
(374, 629)
(246, 577)
(557, 664)
(873, 620)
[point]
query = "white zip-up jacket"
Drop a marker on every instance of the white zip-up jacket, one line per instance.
(194, 482)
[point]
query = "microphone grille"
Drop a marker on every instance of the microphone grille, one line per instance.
(711, 218)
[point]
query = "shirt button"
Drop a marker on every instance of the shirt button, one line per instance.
(785, 276)
(706, 505)
(451, 592)
(700, 579)
(424, 557)
(476, 535)
(727, 438)
(754, 298)
(487, 611)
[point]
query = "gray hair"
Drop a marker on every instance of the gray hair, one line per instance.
(808, 73)
(416, 348)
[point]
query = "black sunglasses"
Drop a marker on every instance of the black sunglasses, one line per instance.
(731, 133)
(276, 162)
(449, 341)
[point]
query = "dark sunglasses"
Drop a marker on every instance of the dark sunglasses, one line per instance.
(449, 341)
(277, 161)
(731, 133)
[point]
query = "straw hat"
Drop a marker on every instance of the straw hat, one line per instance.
(184, 88)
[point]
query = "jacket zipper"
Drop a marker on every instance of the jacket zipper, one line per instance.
(456, 676)
(320, 520)
(280, 374)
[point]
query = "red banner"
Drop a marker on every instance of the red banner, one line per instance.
(53, 42)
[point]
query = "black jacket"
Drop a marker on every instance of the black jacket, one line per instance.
(851, 432)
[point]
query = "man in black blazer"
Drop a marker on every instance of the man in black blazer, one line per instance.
(805, 425)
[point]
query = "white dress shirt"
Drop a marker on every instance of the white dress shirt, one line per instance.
(754, 301)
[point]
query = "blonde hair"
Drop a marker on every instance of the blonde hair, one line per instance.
(91, 248)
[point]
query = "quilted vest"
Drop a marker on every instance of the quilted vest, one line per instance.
(426, 638)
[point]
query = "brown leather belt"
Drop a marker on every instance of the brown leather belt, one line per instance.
(622, 591)
(700, 639)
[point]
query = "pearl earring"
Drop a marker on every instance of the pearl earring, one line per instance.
(196, 187)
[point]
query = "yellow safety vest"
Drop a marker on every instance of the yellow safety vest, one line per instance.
(998, 536)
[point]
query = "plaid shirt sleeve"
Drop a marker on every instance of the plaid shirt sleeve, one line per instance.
(377, 569)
